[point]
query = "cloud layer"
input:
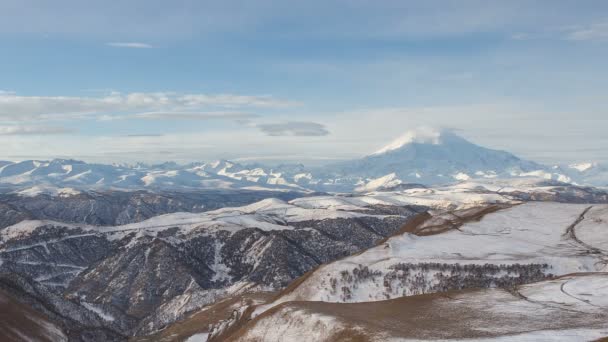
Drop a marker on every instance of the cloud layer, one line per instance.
(14, 107)
(194, 115)
(294, 128)
(33, 130)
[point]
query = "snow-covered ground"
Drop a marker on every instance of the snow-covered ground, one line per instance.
(527, 234)
(519, 243)
(275, 214)
(570, 308)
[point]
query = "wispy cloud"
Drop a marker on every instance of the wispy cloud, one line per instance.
(33, 130)
(15, 108)
(130, 45)
(294, 128)
(593, 32)
(194, 115)
(150, 135)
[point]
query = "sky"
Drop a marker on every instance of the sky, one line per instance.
(310, 81)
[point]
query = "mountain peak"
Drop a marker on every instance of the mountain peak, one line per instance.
(420, 135)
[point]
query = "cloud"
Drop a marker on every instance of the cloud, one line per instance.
(14, 107)
(130, 45)
(33, 130)
(294, 128)
(194, 115)
(231, 100)
(593, 32)
(149, 135)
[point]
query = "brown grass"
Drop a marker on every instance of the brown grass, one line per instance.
(15, 316)
(446, 315)
(199, 322)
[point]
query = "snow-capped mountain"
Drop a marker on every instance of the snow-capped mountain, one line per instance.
(433, 158)
(418, 157)
(60, 175)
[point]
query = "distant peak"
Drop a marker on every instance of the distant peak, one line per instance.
(421, 135)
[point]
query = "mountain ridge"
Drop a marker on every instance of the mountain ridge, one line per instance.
(422, 157)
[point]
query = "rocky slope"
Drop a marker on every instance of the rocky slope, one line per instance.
(139, 277)
(118, 280)
(20, 322)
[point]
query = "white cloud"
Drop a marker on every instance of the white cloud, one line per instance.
(294, 128)
(231, 100)
(14, 107)
(130, 45)
(149, 135)
(194, 115)
(33, 130)
(527, 131)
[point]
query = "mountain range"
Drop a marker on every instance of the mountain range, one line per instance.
(416, 157)
(430, 227)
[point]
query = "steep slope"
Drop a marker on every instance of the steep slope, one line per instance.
(50, 316)
(19, 322)
(142, 276)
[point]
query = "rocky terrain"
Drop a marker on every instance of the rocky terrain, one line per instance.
(152, 265)
(108, 208)
(139, 277)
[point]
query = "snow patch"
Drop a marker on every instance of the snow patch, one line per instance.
(384, 182)
(581, 167)
(221, 271)
(198, 338)
(461, 176)
(98, 311)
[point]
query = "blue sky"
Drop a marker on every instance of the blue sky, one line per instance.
(314, 80)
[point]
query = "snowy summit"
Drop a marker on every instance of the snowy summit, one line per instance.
(421, 135)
